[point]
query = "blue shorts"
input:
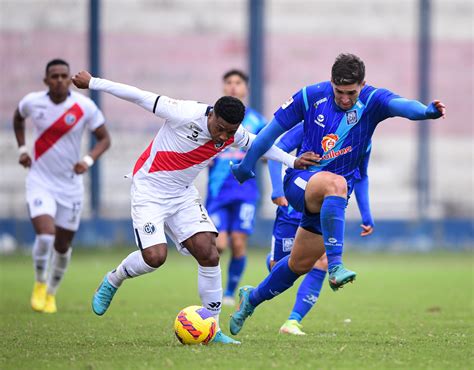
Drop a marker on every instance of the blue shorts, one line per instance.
(295, 185)
(284, 231)
(236, 216)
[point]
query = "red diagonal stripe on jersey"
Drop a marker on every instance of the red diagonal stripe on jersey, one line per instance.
(172, 161)
(59, 128)
(142, 159)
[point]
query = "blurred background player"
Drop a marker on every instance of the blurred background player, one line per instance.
(54, 187)
(348, 111)
(232, 205)
(288, 219)
(164, 197)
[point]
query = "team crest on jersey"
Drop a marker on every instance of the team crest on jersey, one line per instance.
(287, 103)
(149, 228)
(70, 119)
(329, 142)
(218, 145)
(351, 117)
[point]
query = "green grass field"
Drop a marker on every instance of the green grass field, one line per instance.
(406, 311)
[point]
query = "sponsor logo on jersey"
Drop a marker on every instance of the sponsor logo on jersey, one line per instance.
(320, 101)
(351, 117)
(328, 143)
(70, 119)
(149, 228)
(287, 103)
(319, 120)
(195, 132)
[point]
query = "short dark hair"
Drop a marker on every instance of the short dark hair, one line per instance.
(56, 62)
(348, 69)
(231, 109)
(236, 72)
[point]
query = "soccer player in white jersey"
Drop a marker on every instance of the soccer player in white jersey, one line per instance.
(164, 198)
(54, 187)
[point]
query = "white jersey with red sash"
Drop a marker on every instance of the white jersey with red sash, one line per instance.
(182, 148)
(58, 130)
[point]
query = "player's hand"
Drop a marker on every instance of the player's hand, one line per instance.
(240, 174)
(82, 79)
(366, 230)
(80, 167)
(436, 110)
(306, 160)
(25, 160)
(280, 201)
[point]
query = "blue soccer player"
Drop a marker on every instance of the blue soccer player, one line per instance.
(230, 204)
(286, 224)
(339, 117)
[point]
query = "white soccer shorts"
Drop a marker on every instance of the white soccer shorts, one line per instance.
(179, 217)
(65, 212)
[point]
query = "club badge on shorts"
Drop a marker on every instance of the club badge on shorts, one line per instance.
(149, 228)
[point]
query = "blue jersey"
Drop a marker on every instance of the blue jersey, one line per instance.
(222, 187)
(292, 140)
(340, 137)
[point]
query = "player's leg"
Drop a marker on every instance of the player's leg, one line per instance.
(193, 228)
(42, 210)
(325, 204)
(66, 221)
(306, 297)
(42, 248)
(242, 224)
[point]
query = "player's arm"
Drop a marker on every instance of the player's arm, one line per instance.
(19, 128)
(102, 137)
(145, 99)
(245, 139)
(361, 190)
(414, 110)
(288, 142)
(289, 115)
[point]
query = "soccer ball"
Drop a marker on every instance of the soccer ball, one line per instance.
(195, 325)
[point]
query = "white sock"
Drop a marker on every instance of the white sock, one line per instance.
(133, 265)
(41, 252)
(59, 264)
(210, 289)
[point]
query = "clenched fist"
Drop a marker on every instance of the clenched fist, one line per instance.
(81, 80)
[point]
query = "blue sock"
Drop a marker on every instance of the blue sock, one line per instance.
(332, 225)
(280, 279)
(308, 294)
(236, 269)
(269, 258)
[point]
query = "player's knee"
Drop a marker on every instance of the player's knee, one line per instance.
(209, 258)
(239, 247)
(334, 184)
(300, 267)
(154, 257)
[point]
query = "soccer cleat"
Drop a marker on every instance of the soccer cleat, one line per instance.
(38, 297)
(103, 296)
(292, 327)
(228, 300)
(339, 276)
(50, 305)
(244, 310)
(220, 337)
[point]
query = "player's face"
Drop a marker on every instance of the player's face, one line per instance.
(347, 95)
(220, 130)
(236, 87)
(58, 80)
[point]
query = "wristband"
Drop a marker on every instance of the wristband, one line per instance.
(22, 150)
(88, 160)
